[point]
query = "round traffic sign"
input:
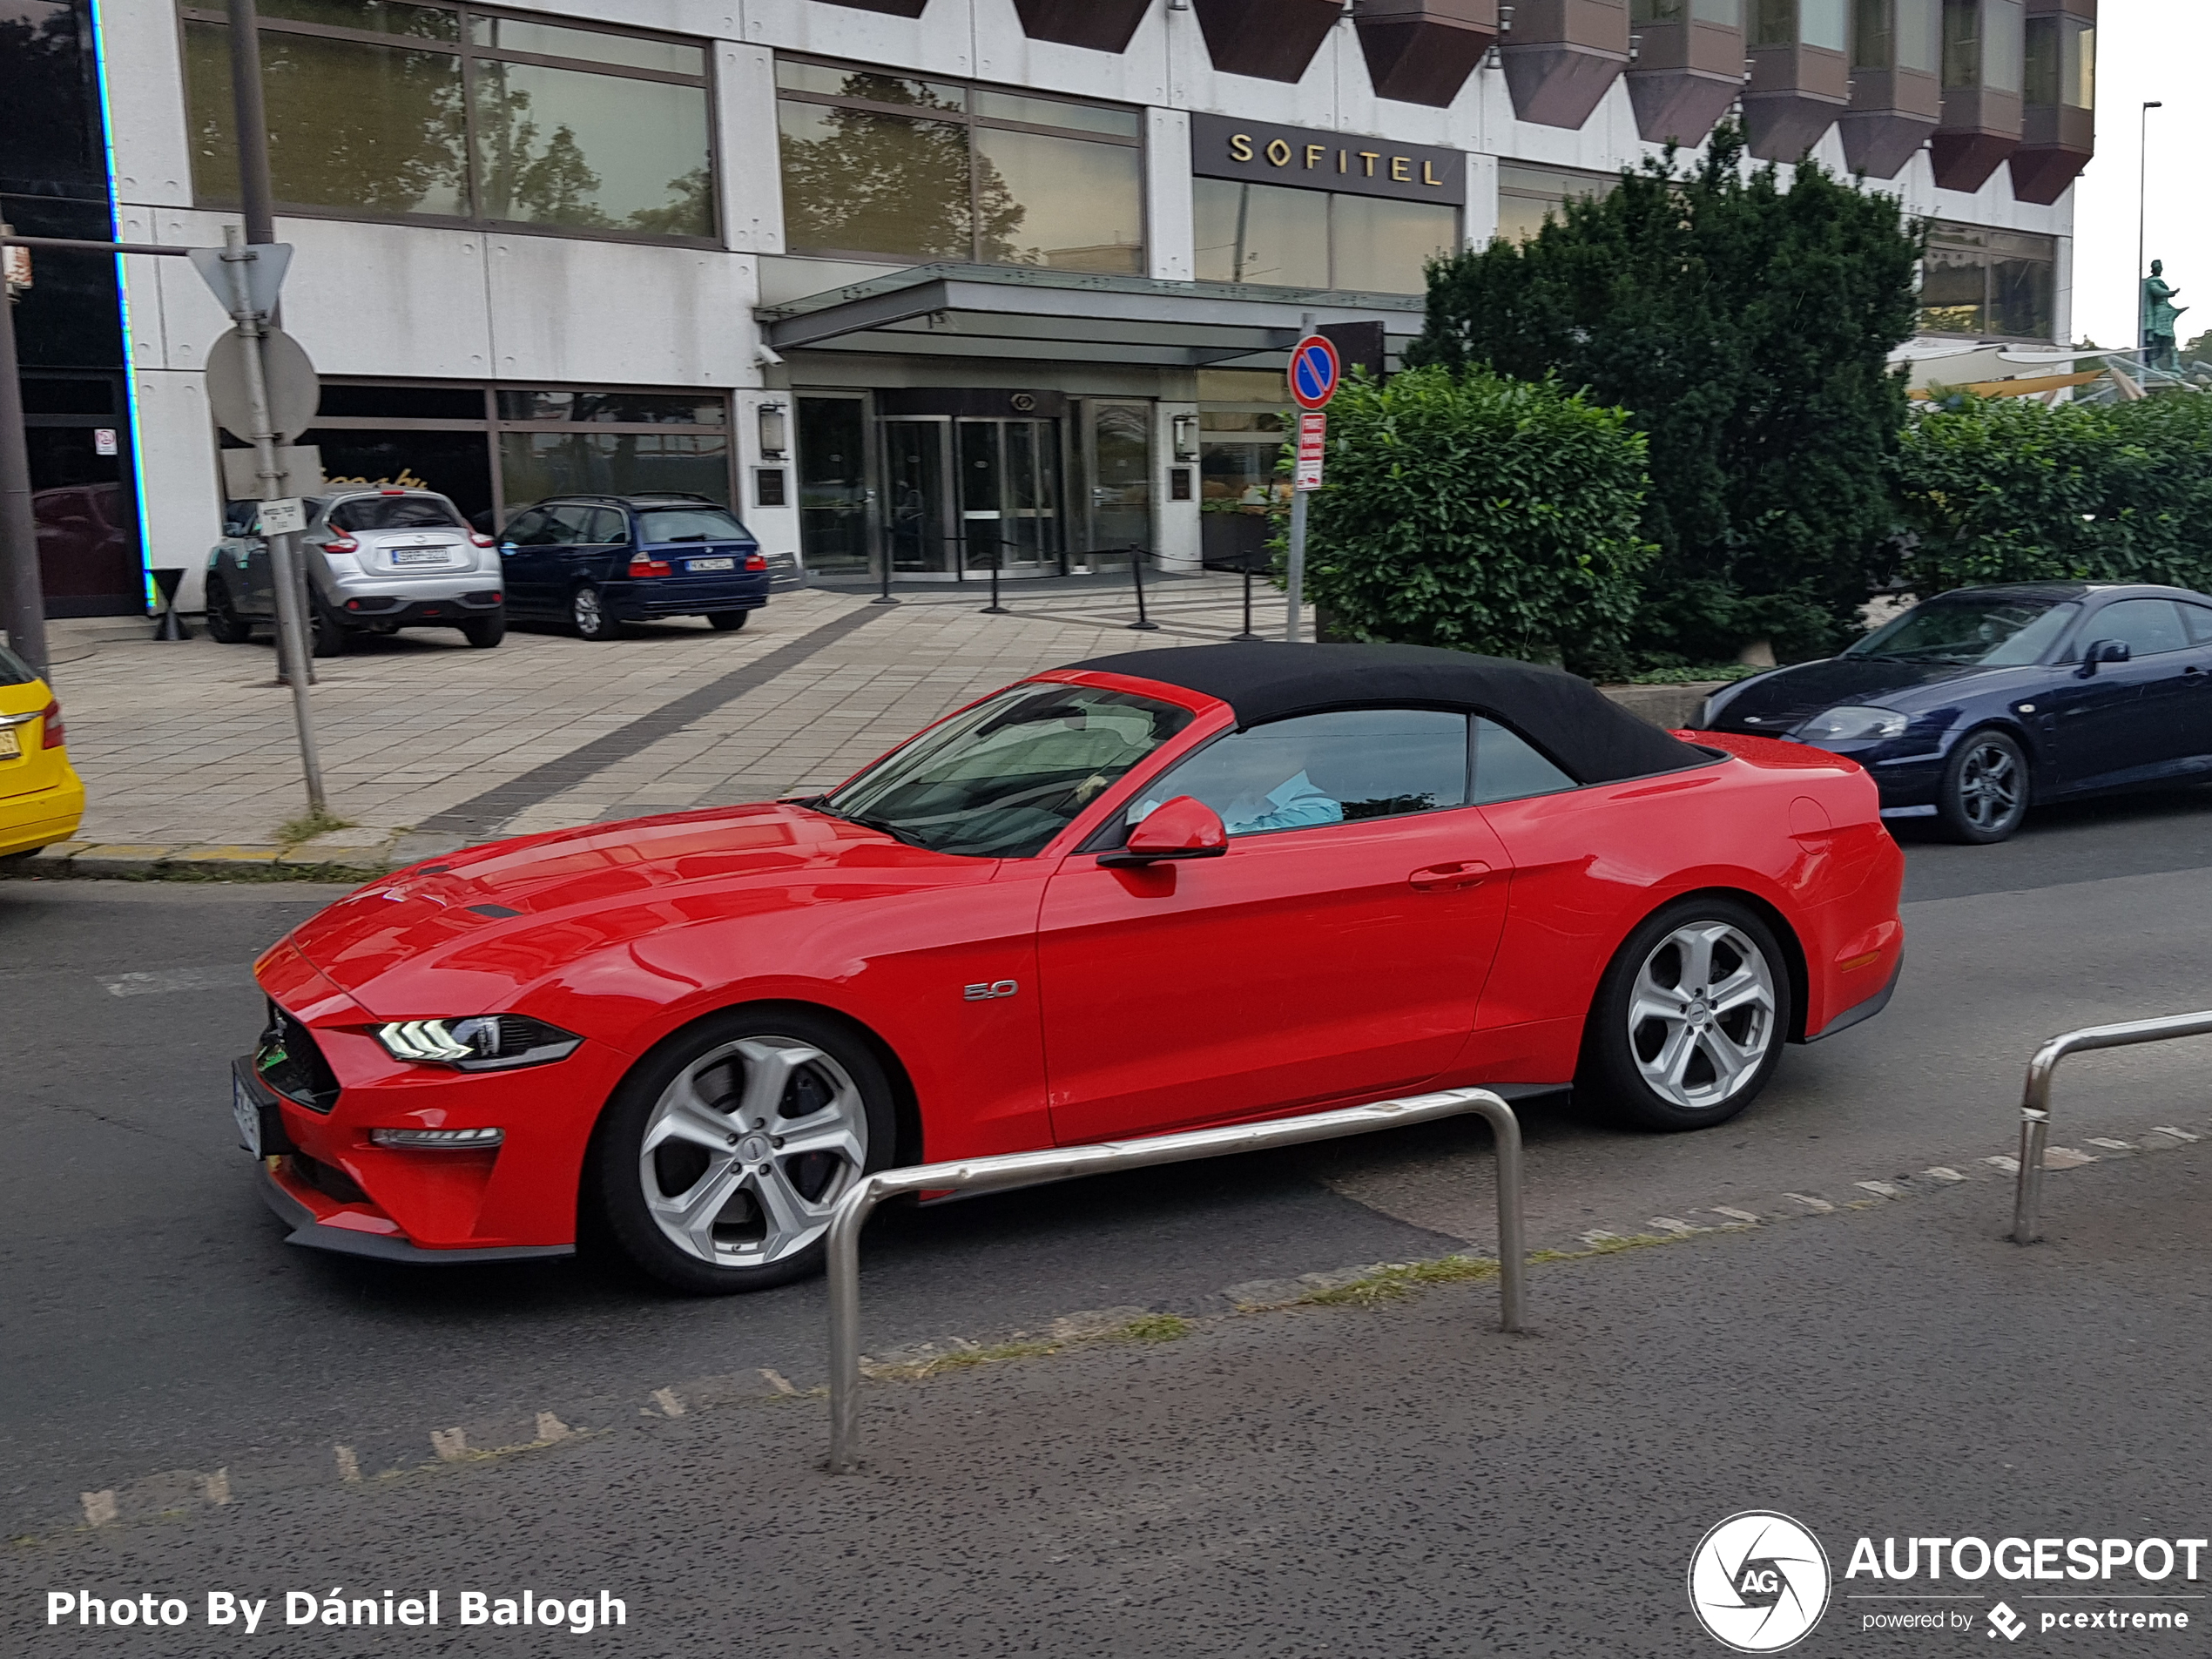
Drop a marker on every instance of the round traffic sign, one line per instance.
(1314, 372)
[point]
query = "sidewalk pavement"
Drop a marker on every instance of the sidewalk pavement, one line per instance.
(188, 754)
(191, 766)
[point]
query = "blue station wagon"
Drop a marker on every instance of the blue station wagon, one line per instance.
(597, 562)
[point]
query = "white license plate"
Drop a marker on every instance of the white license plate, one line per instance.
(10, 744)
(698, 566)
(418, 556)
(248, 1115)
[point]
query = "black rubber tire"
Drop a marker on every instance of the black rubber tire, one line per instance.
(591, 622)
(224, 625)
(484, 632)
(1609, 1075)
(611, 1191)
(727, 621)
(1965, 812)
(326, 635)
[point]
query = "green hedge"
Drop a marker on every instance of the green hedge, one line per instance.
(1468, 510)
(2007, 489)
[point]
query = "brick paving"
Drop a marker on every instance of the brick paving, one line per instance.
(190, 744)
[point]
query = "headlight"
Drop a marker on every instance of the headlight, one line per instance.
(1852, 723)
(481, 1042)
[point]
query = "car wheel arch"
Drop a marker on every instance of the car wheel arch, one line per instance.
(1785, 933)
(906, 1101)
(2039, 756)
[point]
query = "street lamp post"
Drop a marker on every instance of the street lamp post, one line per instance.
(2142, 200)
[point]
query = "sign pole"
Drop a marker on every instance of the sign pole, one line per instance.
(22, 603)
(284, 546)
(1313, 374)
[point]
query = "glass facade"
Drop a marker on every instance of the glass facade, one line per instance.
(1286, 237)
(1983, 44)
(892, 166)
(1791, 23)
(1904, 33)
(1999, 284)
(495, 450)
(2061, 66)
(391, 110)
(1527, 195)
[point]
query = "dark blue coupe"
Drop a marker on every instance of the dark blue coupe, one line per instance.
(1978, 704)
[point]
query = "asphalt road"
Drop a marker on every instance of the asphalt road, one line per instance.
(156, 1331)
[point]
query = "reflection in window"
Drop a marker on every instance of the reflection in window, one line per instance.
(1384, 247)
(1261, 233)
(1509, 767)
(350, 124)
(556, 147)
(359, 120)
(534, 465)
(1979, 281)
(2061, 64)
(1899, 32)
(877, 164)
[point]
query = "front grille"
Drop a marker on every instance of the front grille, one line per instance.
(289, 1061)
(331, 1183)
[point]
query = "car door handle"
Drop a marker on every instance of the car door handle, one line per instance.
(1447, 878)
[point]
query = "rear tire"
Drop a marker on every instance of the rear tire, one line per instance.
(484, 632)
(325, 636)
(1983, 797)
(589, 616)
(224, 625)
(721, 1155)
(728, 622)
(1690, 1018)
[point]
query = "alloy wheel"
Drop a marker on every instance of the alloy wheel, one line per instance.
(1989, 786)
(748, 1148)
(590, 616)
(1701, 1014)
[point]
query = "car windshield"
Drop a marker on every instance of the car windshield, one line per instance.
(1982, 633)
(394, 513)
(661, 524)
(1002, 779)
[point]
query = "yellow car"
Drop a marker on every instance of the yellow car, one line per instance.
(41, 798)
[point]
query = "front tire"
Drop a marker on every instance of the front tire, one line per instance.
(588, 615)
(1690, 1018)
(723, 1152)
(224, 625)
(1983, 797)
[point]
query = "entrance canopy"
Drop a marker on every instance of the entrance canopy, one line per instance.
(1064, 316)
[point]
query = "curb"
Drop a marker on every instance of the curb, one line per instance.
(149, 861)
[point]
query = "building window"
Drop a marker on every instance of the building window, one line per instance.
(1983, 43)
(1987, 283)
(1789, 22)
(1899, 34)
(445, 113)
(2061, 61)
(1527, 195)
(887, 165)
(1284, 237)
(496, 449)
(1728, 13)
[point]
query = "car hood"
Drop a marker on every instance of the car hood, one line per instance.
(492, 917)
(1781, 702)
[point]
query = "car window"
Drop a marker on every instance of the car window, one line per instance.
(567, 526)
(1324, 769)
(13, 670)
(239, 517)
(1509, 767)
(2198, 620)
(526, 528)
(394, 513)
(1002, 779)
(2146, 626)
(701, 523)
(1991, 630)
(608, 527)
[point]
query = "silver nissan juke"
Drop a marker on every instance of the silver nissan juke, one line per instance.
(378, 559)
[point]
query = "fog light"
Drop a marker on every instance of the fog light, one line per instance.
(450, 1140)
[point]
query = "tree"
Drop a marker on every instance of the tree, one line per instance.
(1468, 510)
(2004, 489)
(1746, 329)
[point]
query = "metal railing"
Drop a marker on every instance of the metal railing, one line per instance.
(2035, 1100)
(1028, 1168)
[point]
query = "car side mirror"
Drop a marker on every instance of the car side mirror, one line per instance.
(1182, 828)
(2102, 650)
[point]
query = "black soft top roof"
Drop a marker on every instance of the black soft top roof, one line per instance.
(1593, 738)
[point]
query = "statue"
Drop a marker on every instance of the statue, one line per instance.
(2161, 316)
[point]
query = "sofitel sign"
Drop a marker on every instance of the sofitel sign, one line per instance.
(1221, 148)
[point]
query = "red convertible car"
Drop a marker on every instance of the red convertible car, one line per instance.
(1147, 892)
